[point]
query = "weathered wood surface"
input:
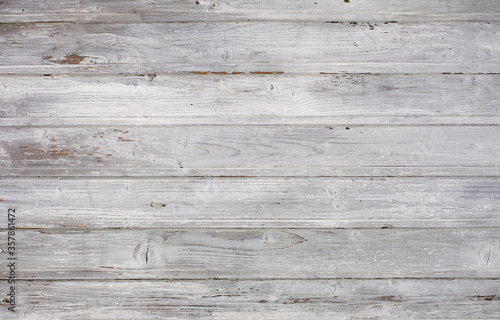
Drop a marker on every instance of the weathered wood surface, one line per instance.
(254, 203)
(289, 47)
(256, 254)
(210, 10)
(322, 299)
(250, 100)
(271, 160)
(251, 151)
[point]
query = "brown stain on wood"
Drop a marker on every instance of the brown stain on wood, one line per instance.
(53, 151)
(157, 205)
(389, 298)
(487, 298)
(266, 72)
(121, 139)
(235, 72)
(212, 72)
(68, 59)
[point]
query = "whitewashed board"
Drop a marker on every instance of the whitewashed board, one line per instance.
(243, 10)
(251, 151)
(235, 47)
(236, 254)
(218, 99)
(264, 299)
(254, 202)
(251, 159)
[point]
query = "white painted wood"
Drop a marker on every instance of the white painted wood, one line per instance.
(256, 254)
(254, 203)
(251, 151)
(271, 160)
(250, 99)
(318, 299)
(289, 47)
(210, 10)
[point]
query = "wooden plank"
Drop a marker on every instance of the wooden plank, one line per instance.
(289, 47)
(215, 99)
(254, 203)
(213, 10)
(251, 151)
(255, 254)
(319, 299)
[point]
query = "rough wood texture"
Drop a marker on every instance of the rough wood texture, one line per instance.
(289, 47)
(254, 203)
(241, 10)
(258, 254)
(271, 159)
(250, 99)
(292, 299)
(251, 151)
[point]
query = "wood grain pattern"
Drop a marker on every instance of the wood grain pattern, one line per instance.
(290, 47)
(309, 159)
(255, 203)
(257, 254)
(242, 10)
(292, 299)
(215, 99)
(251, 151)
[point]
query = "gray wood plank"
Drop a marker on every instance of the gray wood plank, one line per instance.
(215, 99)
(255, 254)
(319, 299)
(204, 10)
(255, 203)
(290, 47)
(251, 151)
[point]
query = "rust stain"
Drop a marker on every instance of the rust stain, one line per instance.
(56, 152)
(68, 59)
(157, 204)
(33, 151)
(266, 72)
(52, 152)
(15, 42)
